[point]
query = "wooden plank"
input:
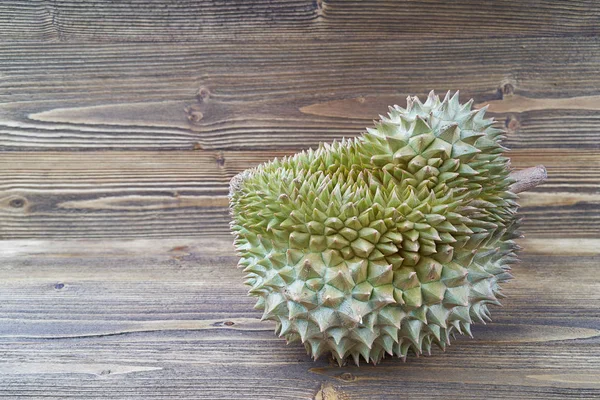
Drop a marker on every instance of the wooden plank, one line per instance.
(126, 120)
(186, 20)
(162, 194)
(286, 93)
(169, 318)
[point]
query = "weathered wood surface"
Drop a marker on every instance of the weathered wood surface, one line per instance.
(179, 193)
(170, 319)
(186, 20)
(283, 93)
(121, 123)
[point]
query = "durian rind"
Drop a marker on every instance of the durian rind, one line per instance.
(387, 243)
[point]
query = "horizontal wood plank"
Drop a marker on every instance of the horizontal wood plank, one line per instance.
(122, 122)
(170, 318)
(162, 194)
(186, 20)
(236, 95)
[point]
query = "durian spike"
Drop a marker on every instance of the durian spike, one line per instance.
(388, 242)
(525, 179)
(528, 178)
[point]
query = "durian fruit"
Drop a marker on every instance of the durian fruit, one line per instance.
(388, 243)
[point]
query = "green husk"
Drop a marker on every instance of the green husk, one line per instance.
(383, 244)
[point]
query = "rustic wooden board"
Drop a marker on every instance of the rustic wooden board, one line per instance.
(121, 123)
(169, 318)
(186, 20)
(285, 93)
(179, 193)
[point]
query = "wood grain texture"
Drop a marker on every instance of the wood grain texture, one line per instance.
(186, 20)
(170, 319)
(286, 93)
(162, 194)
(121, 123)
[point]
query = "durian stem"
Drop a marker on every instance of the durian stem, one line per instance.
(528, 178)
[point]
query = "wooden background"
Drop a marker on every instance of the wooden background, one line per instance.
(121, 123)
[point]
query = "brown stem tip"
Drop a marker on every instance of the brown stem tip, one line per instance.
(528, 178)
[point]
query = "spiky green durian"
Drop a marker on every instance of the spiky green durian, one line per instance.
(386, 243)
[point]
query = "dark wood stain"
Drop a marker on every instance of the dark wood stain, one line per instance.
(121, 124)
